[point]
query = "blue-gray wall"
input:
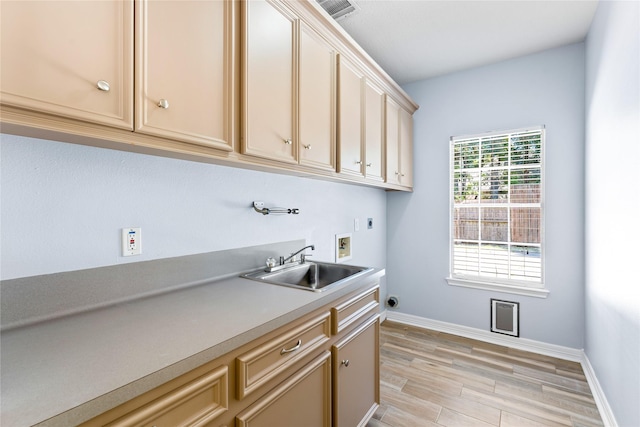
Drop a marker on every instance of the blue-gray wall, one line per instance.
(63, 205)
(612, 298)
(541, 89)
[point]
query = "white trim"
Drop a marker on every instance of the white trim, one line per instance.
(499, 287)
(560, 352)
(541, 129)
(536, 128)
(602, 403)
(557, 351)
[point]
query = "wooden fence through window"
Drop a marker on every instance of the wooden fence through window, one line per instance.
(525, 221)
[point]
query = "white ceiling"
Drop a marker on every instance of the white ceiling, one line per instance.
(414, 40)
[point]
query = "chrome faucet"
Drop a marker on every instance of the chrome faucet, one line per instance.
(283, 260)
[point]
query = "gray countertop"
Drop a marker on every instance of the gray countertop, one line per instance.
(67, 370)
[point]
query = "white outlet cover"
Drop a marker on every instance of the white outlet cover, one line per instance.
(131, 241)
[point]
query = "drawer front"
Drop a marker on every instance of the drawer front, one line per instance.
(194, 404)
(304, 399)
(354, 309)
(266, 361)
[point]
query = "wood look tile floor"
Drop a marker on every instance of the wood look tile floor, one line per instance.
(429, 378)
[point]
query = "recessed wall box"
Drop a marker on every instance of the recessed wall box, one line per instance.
(343, 247)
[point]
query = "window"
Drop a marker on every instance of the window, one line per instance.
(497, 211)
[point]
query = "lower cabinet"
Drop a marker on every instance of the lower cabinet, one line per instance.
(356, 385)
(303, 400)
(196, 403)
(320, 370)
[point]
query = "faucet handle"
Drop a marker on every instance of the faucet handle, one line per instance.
(304, 256)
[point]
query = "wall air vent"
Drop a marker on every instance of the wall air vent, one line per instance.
(339, 9)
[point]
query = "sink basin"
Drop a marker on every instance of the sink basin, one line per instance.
(311, 276)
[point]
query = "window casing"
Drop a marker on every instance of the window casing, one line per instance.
(497, 217)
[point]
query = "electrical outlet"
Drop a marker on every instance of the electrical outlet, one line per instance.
(131, 241)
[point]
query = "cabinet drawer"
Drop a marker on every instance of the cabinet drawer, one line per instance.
(304, 399)
(194, 404)
(350, 311)
(266, 361)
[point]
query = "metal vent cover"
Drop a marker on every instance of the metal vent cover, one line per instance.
(339, 9)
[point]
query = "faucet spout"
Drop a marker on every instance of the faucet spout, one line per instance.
(283, 260)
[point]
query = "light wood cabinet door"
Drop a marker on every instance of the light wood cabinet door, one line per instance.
(356, 375)
(350, 111)
(399, 141)
(303, 400)
(184, 71)
(317, 111)
(374, 125)
(268, 84)
(406, 148)
(72, 59)
(195, 403)
(392, 142)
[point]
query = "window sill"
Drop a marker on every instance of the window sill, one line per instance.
(498, 287)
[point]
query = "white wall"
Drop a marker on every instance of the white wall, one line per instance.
(542, 89)
(612, 299)
(63, 205)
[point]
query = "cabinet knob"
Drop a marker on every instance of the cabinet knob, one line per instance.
(288, 141)
(345, 363)
(401, 174)
(397, 173)
(163, 103)
(307, 147)
(358, 162)
(103, 86)
(368, 165)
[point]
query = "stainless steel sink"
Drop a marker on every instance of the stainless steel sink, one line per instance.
(311, 276)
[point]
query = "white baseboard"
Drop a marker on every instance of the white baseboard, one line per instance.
(552, 350)
(560, 352)
(602, 403)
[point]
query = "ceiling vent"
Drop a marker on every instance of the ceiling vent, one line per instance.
(339, 9)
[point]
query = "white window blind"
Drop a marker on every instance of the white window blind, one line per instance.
(496, 207)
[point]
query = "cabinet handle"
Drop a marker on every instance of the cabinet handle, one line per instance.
(288, 141)
(397, 173)
(368, 165)
(358, 162)
(163, 103)
(307, 147)
(401, 174)
(292, 349)
(103, 86)
(345, 363)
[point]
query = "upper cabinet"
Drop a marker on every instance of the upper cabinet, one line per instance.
(350, 119)
(406, 148)
(360, 124)
(71, 59)
(273, 85)
(373, 134)
(268, 83)
(317, 100)
(288, 88)
(184, 71)
(399, 135)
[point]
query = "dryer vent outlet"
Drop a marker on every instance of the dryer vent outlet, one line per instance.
(392, 301)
